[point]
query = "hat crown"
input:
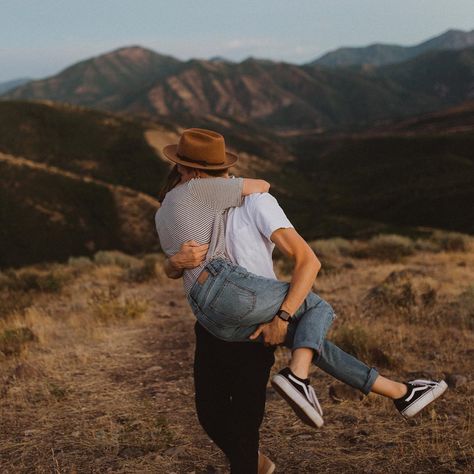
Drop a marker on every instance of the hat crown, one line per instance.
(202, 145)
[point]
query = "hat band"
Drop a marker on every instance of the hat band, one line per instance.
(201, 162)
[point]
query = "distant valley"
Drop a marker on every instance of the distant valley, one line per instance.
(76, 180)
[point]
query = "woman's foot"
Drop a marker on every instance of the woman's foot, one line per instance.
(300, 396)
(265, 465)
(420, 393)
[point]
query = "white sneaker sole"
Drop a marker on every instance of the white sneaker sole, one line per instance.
(303, 409)
(425, 399)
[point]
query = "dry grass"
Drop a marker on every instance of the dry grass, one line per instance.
(97, 373)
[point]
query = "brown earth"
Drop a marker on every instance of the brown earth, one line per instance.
(106, 384)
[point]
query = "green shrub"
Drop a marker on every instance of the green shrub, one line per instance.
(11, 301)
(107, 305)
(115, 257)
(143, 272)
(427, 245)
(80, 263)
(25, 280)
(357, 341)
(465, 303)
(400, 297)
(389, 247)
(451, 241)
(12, 341)
(327, 248)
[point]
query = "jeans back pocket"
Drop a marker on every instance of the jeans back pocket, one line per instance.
(231, 303)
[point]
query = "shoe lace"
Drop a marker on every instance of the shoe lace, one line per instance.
(314, 399)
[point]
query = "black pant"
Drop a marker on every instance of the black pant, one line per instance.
(230, 382)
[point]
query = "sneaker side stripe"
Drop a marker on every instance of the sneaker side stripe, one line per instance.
(301, 384)
(416, 389)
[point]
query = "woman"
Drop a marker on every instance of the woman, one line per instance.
(236, 305)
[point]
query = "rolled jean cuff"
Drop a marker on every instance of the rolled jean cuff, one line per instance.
(309, 344)
(367, 388)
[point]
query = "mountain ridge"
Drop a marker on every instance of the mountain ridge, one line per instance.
(272, 95)
(379, 54)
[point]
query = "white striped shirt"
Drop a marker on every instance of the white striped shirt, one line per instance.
(196, 210)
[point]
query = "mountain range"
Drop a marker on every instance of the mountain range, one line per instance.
(379, 54)
(349, 151)
(273, 95)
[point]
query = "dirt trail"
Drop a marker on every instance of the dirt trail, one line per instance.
(119, 398)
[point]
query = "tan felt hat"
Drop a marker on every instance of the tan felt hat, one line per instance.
(200, 148)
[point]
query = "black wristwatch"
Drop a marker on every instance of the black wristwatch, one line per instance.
(282, 314)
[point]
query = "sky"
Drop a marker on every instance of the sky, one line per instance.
(38, 38)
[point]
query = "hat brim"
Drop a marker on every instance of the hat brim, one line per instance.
(170, 153)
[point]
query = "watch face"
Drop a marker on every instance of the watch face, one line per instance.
(284, 315)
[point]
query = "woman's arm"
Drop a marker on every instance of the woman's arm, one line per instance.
(251, 186)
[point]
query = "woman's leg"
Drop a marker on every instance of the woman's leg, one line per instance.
(388, 388)
(347, 368)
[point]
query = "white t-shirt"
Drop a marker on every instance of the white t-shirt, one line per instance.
(248, 231)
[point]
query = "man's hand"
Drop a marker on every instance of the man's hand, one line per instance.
(273, 332)
(190, 255)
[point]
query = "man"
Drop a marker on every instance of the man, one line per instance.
(259, 228)
(231, 377)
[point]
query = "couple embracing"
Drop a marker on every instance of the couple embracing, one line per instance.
(219, 233)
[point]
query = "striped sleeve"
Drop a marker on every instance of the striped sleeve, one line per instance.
(218, 193)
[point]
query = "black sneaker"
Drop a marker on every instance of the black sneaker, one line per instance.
(420, 393)
(300, 396)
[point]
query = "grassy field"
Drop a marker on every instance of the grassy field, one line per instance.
(96, 365)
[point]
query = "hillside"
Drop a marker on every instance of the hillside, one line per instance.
(74, 181)
(272, 95)
(83, 141)
(381, 54)
(81, 180)
(50, 214)
(417, 172)
(454, 120)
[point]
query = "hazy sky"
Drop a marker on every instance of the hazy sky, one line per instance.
(41, 37)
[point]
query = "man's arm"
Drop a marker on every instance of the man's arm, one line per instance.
(190, 255)
(306, 268)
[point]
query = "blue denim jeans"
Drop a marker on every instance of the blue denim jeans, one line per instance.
(233, 302)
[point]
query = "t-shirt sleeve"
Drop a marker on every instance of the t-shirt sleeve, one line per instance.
(268, 215)
(218, 193)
